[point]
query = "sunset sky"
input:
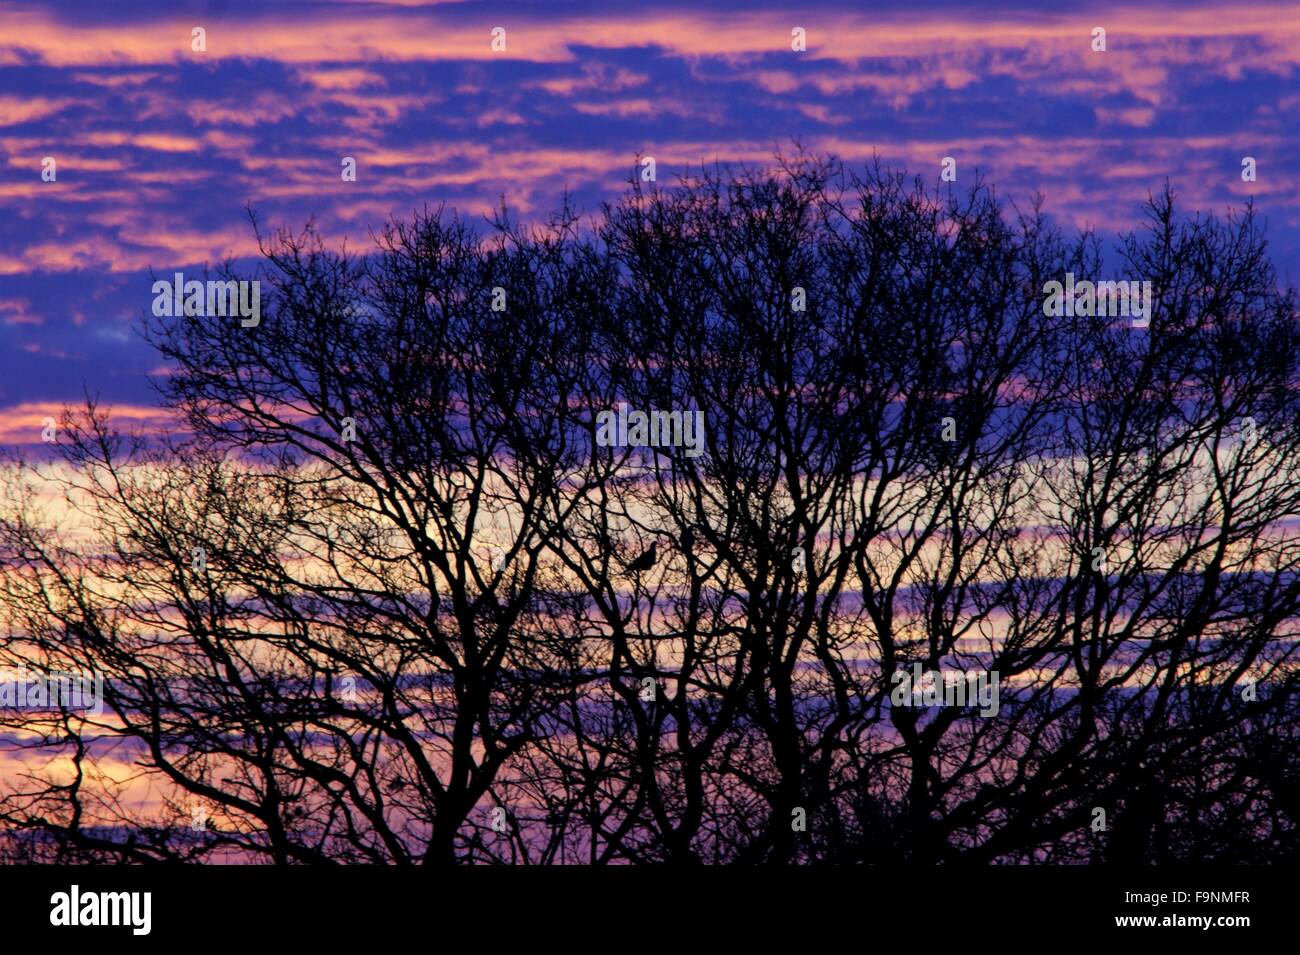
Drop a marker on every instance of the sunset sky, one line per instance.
(159, 148)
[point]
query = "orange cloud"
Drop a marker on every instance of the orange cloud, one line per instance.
(23, 423)
(15, 109)
(404, 35)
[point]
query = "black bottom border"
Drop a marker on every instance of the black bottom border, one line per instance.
(701, 906)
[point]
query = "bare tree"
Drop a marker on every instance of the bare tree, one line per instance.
(386, 598)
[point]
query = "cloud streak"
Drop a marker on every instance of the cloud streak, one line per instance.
(159, 148)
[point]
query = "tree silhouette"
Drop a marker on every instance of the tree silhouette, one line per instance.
(384, 597)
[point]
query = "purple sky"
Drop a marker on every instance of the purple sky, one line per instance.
(159, 148)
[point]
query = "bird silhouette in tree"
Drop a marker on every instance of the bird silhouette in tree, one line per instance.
(646, 560)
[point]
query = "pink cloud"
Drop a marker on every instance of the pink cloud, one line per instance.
(17, 311)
